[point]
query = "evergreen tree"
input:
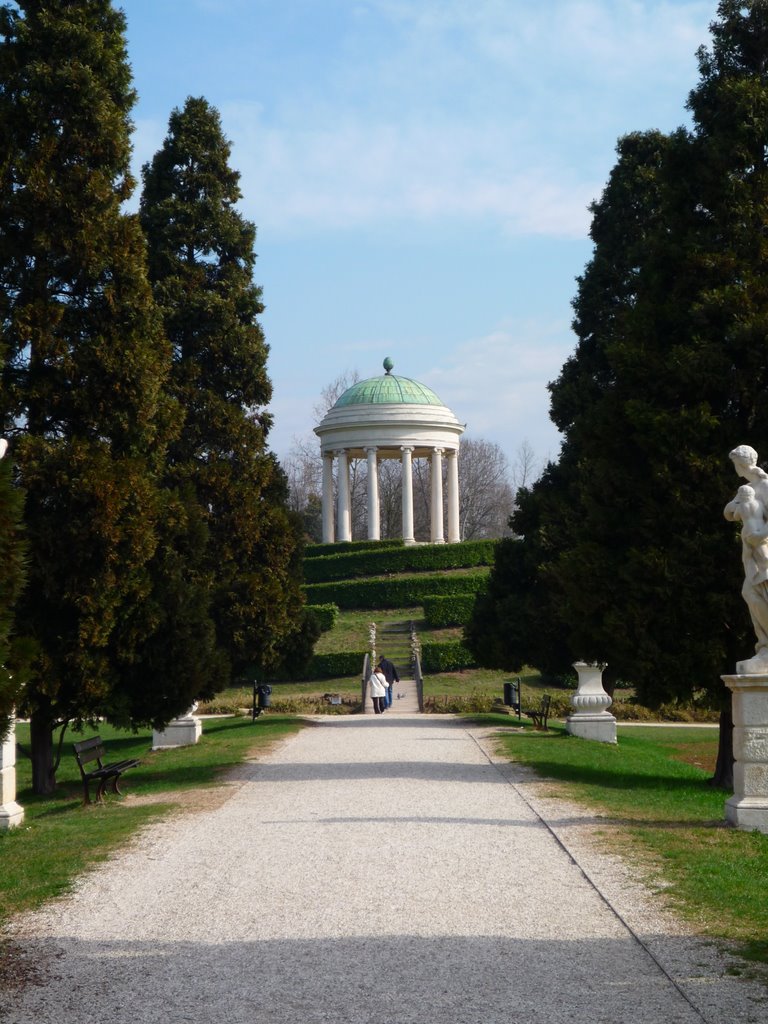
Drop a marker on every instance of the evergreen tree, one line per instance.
(669, 374)
(86, 358)
(11, 582)
(201, 262)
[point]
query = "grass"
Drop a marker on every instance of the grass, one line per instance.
(660, 812)
(60, 838)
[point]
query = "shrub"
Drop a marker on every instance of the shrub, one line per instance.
(445, 656)
(327, 615)
(330, 666)
(441, 610)
(395, 592)
(414, 558)
(347, 547)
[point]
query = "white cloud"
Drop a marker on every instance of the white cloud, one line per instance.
(497, 384)
(487, 111)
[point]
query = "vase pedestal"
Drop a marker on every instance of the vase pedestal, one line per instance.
(747, 809)
(11, 813)
(180, 732)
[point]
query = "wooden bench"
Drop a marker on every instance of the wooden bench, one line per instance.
(540, 714)
(92, 750)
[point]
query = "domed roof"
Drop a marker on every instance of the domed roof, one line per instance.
(388, 389)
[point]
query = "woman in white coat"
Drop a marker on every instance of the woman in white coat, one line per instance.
(378, 689)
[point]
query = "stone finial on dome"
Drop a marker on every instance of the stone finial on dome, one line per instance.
(388, 364)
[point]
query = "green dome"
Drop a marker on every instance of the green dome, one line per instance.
(388, 390)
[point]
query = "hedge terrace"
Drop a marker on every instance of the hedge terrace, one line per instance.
(441, 610)
(395, 591)
(416, 558)
(350, 547)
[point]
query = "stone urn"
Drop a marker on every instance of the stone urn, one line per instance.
(591, 719)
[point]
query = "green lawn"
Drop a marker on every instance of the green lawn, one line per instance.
(60, 837)
(660, 812)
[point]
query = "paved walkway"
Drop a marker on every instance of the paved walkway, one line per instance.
(372, 871)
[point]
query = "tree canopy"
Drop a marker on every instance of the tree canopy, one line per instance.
(201, 263)
(627, 549)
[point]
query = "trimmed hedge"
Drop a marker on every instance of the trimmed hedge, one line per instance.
(332, 666)
(327, 615)
(441, 610)
(396, 592)
(349, 547)
(446, 656)
(414, 558)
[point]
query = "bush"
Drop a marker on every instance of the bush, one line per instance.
(445, 656)
(347, 547)
(395, 592)
(441, 610)
(327, 615)
(414, 558)
(476, 702)
(330, 666)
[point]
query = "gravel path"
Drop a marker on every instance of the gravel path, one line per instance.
(373, 871)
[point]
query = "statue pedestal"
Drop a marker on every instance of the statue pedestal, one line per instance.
(590, 719)
(748, 807)
(11, 813)
(180, 732)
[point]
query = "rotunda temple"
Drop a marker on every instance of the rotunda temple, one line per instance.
(390, 417)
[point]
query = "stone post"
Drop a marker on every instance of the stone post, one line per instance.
(437, 535)
(11, 813)
(747, 809)
(454, 532)
(328, 534)
(591, 719)
(344, 515)
(180, 732)
(408, 537)
(374, 513)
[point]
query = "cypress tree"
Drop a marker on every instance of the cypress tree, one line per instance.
(86, 358)
(12, 576)
(201, 263)
(669, 374)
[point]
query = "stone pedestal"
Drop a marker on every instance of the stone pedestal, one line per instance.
(180, 732)
(748, 807)
(11, 813)
(591, 719)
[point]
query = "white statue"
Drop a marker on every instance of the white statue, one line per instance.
(750, 508)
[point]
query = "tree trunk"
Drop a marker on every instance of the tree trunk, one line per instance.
(723, 776)
(41, 737)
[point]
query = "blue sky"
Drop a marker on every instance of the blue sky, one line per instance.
(419, 172)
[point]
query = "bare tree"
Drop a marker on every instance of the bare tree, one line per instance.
(486, 498)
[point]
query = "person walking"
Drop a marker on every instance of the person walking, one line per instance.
(378, 690)
(390, 674)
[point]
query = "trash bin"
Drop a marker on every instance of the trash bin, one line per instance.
(512, 695)
(261, 698)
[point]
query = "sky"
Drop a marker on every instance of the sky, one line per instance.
(420, 174)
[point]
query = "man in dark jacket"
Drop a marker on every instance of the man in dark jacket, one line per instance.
(390, 674)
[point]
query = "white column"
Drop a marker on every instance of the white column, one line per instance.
(436, 489)
(328, 533)
(407, 496)
(11, 813)
(374, 512)
(344, 513)
(454, 531)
